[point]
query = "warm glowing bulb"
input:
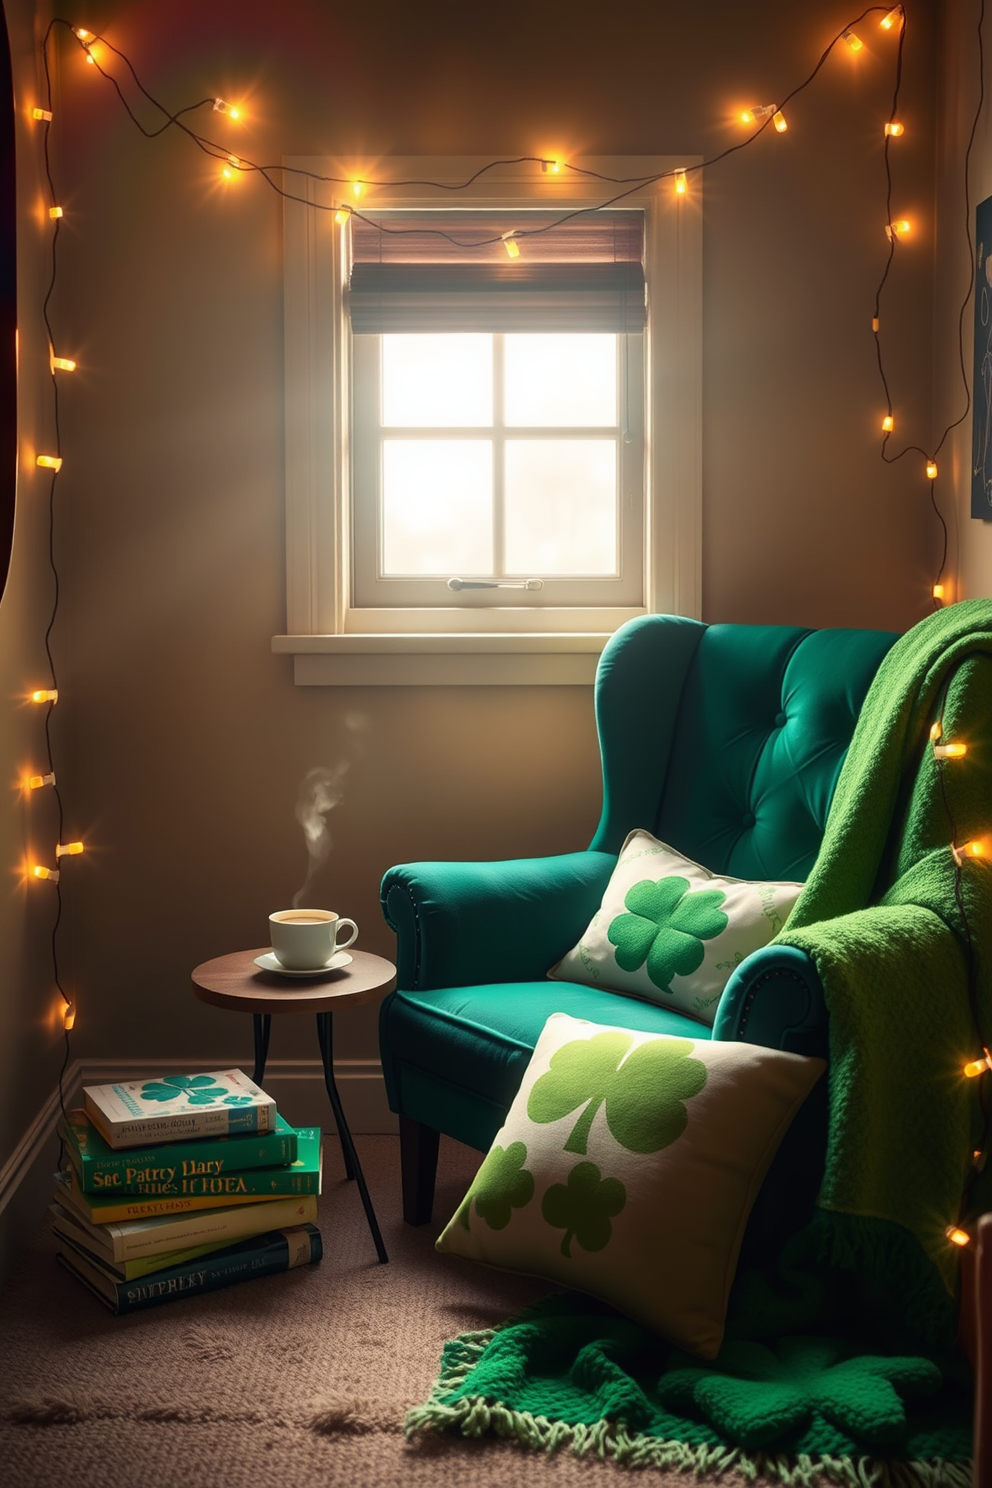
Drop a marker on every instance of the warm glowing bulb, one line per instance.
(35, 782)
(888, 423)
(82, 33)
(68, 849)
(228, 173)
(757, 112)
(356, 188)
(935, 731)
(950, 751)
(957, 1236)
(931, 470)
(974, 849)
(891, 21)
(680, 183)
(895, 130)
(512, 248)
(68, 1016)
(63, 364)
(854, 42)
(221, 106)
(40, 113)
(49, 462)
(551, 167)
(45, 695)
(342, 214)
(780, 121)
(52, 874)
(937, 591)
(55, 213)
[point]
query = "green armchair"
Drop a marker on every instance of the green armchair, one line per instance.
(725, 741)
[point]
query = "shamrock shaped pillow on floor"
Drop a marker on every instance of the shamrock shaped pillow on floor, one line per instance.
(671, 931)
(627, 1167)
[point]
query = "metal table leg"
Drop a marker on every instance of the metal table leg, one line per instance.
(262, 1023)
(353, 1168)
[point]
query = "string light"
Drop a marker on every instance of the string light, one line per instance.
(874, 324)
(512, 247)
(52, 874)
(894, 130)
(551, 167)
(35, 782)
(853, 41)
(931, 470)
(49, 462)
(680, 186)
(757, 112)
(780, 121)
(45, 695)
(973, 849)
(69, 1016)
(63, 364)
(892, 20)
(230, 109)
(342, 214)
(888, 423)
(356, 188)
(83, 34)
(957, 1236)
(978, 1066)
(55, 213)
(950, 751)
(898, 229)
(68, 849)
(40, 113)
(938, 591)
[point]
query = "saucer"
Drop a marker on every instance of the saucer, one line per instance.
(338, 961)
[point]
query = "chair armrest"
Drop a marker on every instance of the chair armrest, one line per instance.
(775, 998)
(458, 924)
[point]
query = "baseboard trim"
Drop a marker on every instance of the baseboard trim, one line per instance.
(297, 1086)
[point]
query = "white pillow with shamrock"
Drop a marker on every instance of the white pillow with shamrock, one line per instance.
(671, 931)
(627, 1167)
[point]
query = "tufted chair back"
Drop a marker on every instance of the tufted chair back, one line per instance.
(737, 774)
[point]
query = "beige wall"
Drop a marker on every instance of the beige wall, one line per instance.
(958, 93)
(181, 739)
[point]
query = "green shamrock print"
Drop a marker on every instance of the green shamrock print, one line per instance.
(666, 927)
(199, 1090)
(237, 1100)
(643, 1093)
(501, 1185)
(583, 1206)
(755, 1395)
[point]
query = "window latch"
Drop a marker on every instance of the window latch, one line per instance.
(457, 584)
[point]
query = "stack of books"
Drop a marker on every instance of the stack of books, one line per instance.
(182, 1185)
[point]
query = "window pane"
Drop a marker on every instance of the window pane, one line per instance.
(437, 506)
(437, 381)
(561, 380)
(561, 506)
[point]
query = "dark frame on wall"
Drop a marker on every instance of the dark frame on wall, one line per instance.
(8, 307)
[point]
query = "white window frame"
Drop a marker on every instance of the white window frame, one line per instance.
(335, 643)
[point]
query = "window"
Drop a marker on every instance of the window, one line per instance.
(490, 465)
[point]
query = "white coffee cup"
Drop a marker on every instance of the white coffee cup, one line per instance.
(306, 939)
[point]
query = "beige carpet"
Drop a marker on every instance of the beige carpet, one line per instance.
(291, 1381)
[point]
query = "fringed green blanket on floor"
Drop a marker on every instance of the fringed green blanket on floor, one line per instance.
(838, 1363)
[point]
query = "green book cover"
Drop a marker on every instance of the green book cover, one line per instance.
(102, 1169)
(126, 1239)
(260, 1255)
(169, 1191)
(72, 1234)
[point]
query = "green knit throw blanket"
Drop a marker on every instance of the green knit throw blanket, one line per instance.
(838, 1364)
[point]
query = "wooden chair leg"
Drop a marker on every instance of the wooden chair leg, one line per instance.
(418, 1162)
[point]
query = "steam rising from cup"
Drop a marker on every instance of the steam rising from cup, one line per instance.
(320, 792)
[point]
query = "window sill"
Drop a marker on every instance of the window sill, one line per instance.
(456, 659)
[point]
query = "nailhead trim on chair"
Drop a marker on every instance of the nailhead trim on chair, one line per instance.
(752, 991)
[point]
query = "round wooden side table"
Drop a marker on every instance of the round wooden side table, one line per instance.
(236, 983)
